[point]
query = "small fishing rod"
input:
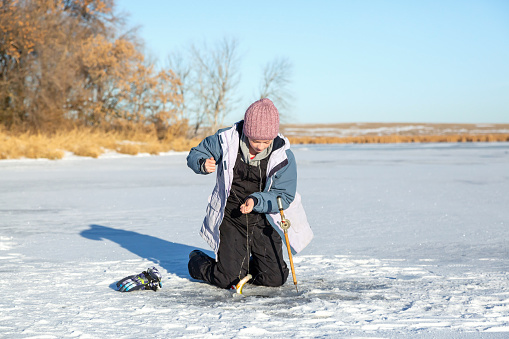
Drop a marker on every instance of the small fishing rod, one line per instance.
(285, 225)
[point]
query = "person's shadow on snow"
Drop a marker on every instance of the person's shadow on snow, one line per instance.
(169, 255)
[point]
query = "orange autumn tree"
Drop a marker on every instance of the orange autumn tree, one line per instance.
(64, 64)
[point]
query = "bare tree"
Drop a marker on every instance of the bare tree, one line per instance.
(277, 75)
(177, 63)
(209, 78)
(217, 78)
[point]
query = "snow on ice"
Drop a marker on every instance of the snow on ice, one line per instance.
(411, 240)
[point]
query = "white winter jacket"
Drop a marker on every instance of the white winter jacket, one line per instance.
(281, 181)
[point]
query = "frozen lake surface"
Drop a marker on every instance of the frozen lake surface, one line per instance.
(411, 240)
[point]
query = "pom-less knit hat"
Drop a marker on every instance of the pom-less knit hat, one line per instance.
(261, 121)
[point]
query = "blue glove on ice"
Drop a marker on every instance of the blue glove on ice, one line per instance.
(146, 280)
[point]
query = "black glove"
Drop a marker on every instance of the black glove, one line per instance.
(146, 280)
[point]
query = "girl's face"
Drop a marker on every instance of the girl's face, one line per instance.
(258, 146)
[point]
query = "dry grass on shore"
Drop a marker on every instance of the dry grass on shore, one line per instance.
(87, 143)
(90, 143)
(387, 139)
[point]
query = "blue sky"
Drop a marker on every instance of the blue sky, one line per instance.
(354, 61)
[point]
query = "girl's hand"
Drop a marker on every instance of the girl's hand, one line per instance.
(247, 206)
(210, 165)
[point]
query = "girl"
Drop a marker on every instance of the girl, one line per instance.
(254, 166)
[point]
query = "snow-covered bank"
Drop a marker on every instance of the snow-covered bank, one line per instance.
(410, 240)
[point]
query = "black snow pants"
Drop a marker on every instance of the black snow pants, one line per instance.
(248, 243)
(264, 261)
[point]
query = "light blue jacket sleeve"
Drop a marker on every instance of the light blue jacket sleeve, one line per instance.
(209, 147)
(283, 183)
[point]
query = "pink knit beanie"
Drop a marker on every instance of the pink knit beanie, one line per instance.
(261, 121)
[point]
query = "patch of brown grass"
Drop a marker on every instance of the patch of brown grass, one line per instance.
(386, 139)
(87, 143)
(28, 146)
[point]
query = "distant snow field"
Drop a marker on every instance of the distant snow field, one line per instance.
(411, 240)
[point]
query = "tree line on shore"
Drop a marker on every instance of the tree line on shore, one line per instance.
(67, 64)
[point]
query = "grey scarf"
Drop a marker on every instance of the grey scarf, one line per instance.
(244, 151)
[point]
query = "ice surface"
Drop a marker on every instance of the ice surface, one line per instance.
(410, 240)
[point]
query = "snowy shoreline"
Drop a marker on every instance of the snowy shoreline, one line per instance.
(411, 240)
